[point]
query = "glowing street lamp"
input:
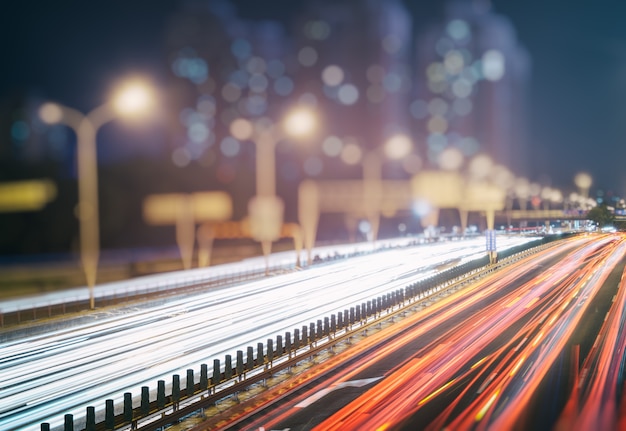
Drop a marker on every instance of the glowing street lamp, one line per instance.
(583, 181)
(131, 99)
(300, 122)
(546, 197)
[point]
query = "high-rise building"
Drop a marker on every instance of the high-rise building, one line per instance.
(472, 76)
(224, 68)
(350, 59)
(347, 59)
(459, 83)
(354, 63)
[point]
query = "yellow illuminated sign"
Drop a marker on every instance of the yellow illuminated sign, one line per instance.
(31, 195)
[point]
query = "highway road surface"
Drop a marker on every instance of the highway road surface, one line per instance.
(48, 375)
(474, 360)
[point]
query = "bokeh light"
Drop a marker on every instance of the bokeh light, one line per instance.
(419, 109)
(451, 159)
(20, 130)
(307, 56)
(392, 82)
(241, 129)
(133, 97)
(258, 83)
(241, 48)
(398, 146)
(493, 65)
(480, 166)
(453, 62)
(332, 75)
(421, 208)
(351, 153)
(437, 124)
(458, 29)
(275, 68)
(50, 113)
(191, 67)
(301, 121)
(317, 30)
(332, 146)
(462, 88)
(283, 86)
(230, 146)
(583, 180)
(181, 157)
(375, 73)
(256, 65)
(438, 106)
(198, 132)
(348, 94)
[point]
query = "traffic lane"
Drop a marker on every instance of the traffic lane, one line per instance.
(589, 404)
(382, 406)
(506, 391)
(522, 388)
(405, 392)
(381, 368)
(366, 409)
(30, 399)
(329, 277)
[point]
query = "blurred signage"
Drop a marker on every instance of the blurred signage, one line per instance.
(490, 235)
(30, 195)
(184, 210)
(353, 196)
(164, 209)
(483, 196)
(442, 189)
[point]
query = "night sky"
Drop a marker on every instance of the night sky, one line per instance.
(71, 51)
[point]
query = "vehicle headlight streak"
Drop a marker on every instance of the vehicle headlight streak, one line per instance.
(122, 353)
(554, 316)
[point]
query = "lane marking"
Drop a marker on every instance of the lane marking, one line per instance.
(321, 394)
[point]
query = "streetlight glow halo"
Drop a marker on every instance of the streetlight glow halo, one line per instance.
(398, 146)
(133, 98)
(583, 180)
(50, 113)
(300, 122)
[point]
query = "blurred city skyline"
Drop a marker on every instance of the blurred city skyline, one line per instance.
(547, 106)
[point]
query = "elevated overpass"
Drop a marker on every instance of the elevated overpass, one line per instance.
(541, 215)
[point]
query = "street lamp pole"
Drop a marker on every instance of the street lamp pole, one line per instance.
(265, 164)
(395, 148)
(266, 208)
(88, 210)
(373, 191)
(86, 128)
(266, 192)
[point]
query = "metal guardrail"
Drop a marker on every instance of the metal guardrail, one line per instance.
(233, 375)
(152, 290)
